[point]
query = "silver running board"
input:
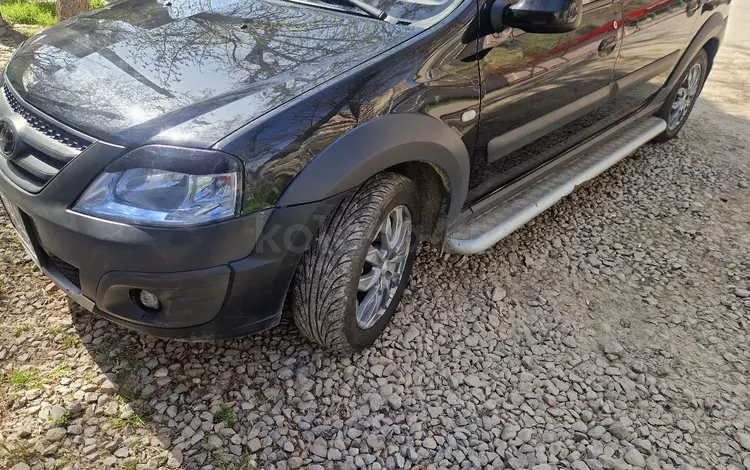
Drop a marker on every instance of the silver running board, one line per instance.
(482, 231)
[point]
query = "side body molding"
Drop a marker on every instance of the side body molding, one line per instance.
(378, 145)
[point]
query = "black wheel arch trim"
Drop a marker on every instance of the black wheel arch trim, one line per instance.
(714, 27)
(380, 144)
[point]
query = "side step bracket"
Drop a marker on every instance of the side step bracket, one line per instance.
(483, 230)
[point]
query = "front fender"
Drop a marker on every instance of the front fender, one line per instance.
(378, 145)
(714, 27)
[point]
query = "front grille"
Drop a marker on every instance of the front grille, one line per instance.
(31, 168)
(36, 168)
(70, 272)
(44, 126)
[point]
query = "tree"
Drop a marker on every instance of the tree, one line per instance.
(68, 8)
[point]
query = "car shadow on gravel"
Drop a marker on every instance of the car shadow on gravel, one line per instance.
(151, 394)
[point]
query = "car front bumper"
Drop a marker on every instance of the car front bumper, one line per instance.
(213, 281)
(217, 281)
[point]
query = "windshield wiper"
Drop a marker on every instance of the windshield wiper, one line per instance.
(372, 11)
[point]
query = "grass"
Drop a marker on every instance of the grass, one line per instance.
(25, 379)
(130, 465)
(19, 330)
(38, 13)
(32, 378)
(129, 393)
(63, 419)
(56, 330)
(138, 420)
(19, 453)
(226, 415)
(26, 12)
(71, 340)
(59, 372)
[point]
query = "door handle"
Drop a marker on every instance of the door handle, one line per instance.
(607, 46)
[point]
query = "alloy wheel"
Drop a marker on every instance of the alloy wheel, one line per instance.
(685, 96)
(384, 267)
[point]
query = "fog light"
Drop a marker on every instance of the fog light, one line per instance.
(149, 300)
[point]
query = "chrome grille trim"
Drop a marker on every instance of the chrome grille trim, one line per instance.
(44, 126)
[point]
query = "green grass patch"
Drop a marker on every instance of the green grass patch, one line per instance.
(59, 371)
(130, 465)
(19, 330)
(33, 378)
(26, 12)
(62, 420)
(56, 330)
(136, 421)
(24, 379)
(71, 340)
(38, 13)
(20, 452)
(226, 415)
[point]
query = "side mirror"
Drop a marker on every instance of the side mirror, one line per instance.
(537, 16)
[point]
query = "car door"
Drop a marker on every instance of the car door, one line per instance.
(655, 34)
(541, 94)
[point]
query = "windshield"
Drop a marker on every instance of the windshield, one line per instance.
(407, 10)
(411, 10)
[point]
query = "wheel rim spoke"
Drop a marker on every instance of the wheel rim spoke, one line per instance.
(375, 257)
(694, 79)
(369, 280)
(369, 309)
(385, 263)
(392, 228)
(401, 242)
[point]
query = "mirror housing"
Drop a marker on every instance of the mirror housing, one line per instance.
(537, 16)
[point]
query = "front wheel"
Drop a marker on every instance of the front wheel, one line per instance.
(681, 100)
(350, 281)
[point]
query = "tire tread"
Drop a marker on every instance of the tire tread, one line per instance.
(321, 290)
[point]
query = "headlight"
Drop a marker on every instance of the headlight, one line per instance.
(166, 186)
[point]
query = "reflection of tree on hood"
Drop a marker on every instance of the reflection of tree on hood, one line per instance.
(190, 57)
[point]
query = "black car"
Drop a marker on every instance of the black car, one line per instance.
(189, 167)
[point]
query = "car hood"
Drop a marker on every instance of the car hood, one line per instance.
(188, 71)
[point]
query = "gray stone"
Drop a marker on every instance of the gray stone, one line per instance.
(613, 347)
(214, 442)
(596, 432)
(635, 458)
(411, 334)
(524, 435)
(498, 294)
(55, 434)
(254, 445)
(334, 454)
(57, 412)
(743, 439)
(320, 448)
(429, 443)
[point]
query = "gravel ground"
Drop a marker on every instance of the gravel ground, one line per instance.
(610, 333)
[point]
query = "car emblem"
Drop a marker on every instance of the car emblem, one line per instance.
(7, 139)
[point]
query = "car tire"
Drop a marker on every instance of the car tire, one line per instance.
(330, 302)
(682, 98)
